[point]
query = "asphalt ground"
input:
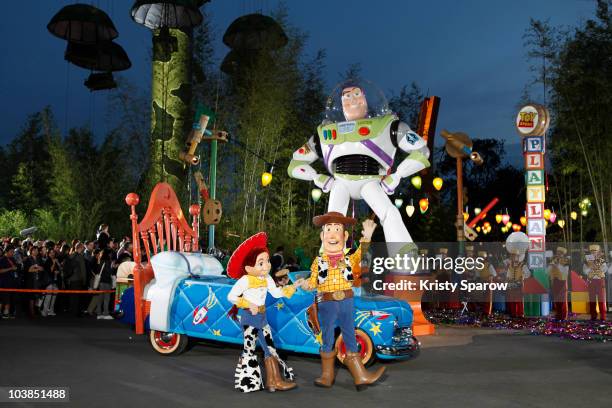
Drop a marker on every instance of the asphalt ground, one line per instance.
(106, 365)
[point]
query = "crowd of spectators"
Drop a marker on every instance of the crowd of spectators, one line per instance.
(77, 265)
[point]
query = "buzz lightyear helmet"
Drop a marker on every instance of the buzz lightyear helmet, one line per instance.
(377, 102)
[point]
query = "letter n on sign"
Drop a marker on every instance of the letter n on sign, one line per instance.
(536, 243)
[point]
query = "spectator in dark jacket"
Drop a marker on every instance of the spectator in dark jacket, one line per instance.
(105, 281)
(75, 276)
(53, 270)
(33, 270)
(103, 237)
(8, 272)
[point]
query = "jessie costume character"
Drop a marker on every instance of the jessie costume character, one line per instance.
(558, 272)
(250, 265)
(332, 277)
(595, 270)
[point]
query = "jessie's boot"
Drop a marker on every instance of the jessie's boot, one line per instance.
(361, 376)
(327, 370)
(274, 380)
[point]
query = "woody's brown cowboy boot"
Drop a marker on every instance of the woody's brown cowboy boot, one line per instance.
(361, 376)
(274, 380)
(327, 370)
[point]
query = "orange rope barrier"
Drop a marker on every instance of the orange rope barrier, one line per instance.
(55, 291)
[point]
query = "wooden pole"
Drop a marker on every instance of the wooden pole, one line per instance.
(460, 233)
(132, 200)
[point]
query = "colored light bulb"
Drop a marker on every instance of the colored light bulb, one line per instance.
(316, 194)
(410, 210)
(423, 205)
(266, 178)
(437, 183)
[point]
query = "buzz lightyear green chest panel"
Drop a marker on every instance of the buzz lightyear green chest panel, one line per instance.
(354, 131)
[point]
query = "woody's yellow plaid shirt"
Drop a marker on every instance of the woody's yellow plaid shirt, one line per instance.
(335, 279)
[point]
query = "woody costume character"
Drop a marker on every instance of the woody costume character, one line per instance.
(485, 274)
(517, 271)
(250, 265)
(558, 272)
(332, 277)
(595, 270)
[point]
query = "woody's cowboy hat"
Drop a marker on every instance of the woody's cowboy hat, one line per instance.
(281, 273)
(235, 265)
(333, 217)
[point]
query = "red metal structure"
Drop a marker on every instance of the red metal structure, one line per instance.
(163, 228)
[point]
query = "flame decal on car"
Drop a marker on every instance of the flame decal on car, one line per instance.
(200, 314)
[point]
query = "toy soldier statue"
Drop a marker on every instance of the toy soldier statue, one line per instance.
(332, 277)
(485, 274)
(595, 270)
(517, 272)
(441, 297)
(558, 272)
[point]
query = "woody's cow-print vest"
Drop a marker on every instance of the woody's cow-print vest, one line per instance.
(323, 268)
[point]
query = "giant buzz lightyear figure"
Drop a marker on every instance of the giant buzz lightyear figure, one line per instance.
(357, 144)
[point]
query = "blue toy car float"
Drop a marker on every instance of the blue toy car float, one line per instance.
(188, 298)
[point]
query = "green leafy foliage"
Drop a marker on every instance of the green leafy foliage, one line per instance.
(11, 222)
(576, 69)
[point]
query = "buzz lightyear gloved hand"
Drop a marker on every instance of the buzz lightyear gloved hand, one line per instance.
(390, 183)
(324, 182)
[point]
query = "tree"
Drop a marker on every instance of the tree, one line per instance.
(580, 75)
(23, 193)
(407, 105)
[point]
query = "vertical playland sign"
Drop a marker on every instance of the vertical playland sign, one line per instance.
(531, 123)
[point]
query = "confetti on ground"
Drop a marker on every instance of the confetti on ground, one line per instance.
(595, 330)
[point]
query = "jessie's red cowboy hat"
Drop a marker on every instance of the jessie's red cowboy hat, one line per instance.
(333, 218)
(235, 265)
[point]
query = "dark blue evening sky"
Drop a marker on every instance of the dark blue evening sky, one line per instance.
(468, 52)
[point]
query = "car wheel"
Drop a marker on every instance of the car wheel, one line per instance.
(364, 344)
(167, 344)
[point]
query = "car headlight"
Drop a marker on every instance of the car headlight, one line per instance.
(402, 334)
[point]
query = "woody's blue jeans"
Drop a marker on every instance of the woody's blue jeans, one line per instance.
(337, 313)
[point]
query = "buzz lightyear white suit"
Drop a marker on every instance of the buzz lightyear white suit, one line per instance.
(359, 155)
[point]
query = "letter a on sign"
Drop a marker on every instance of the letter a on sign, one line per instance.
(534, 161)
(535, 227)
(534, 177)
(535, 210)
